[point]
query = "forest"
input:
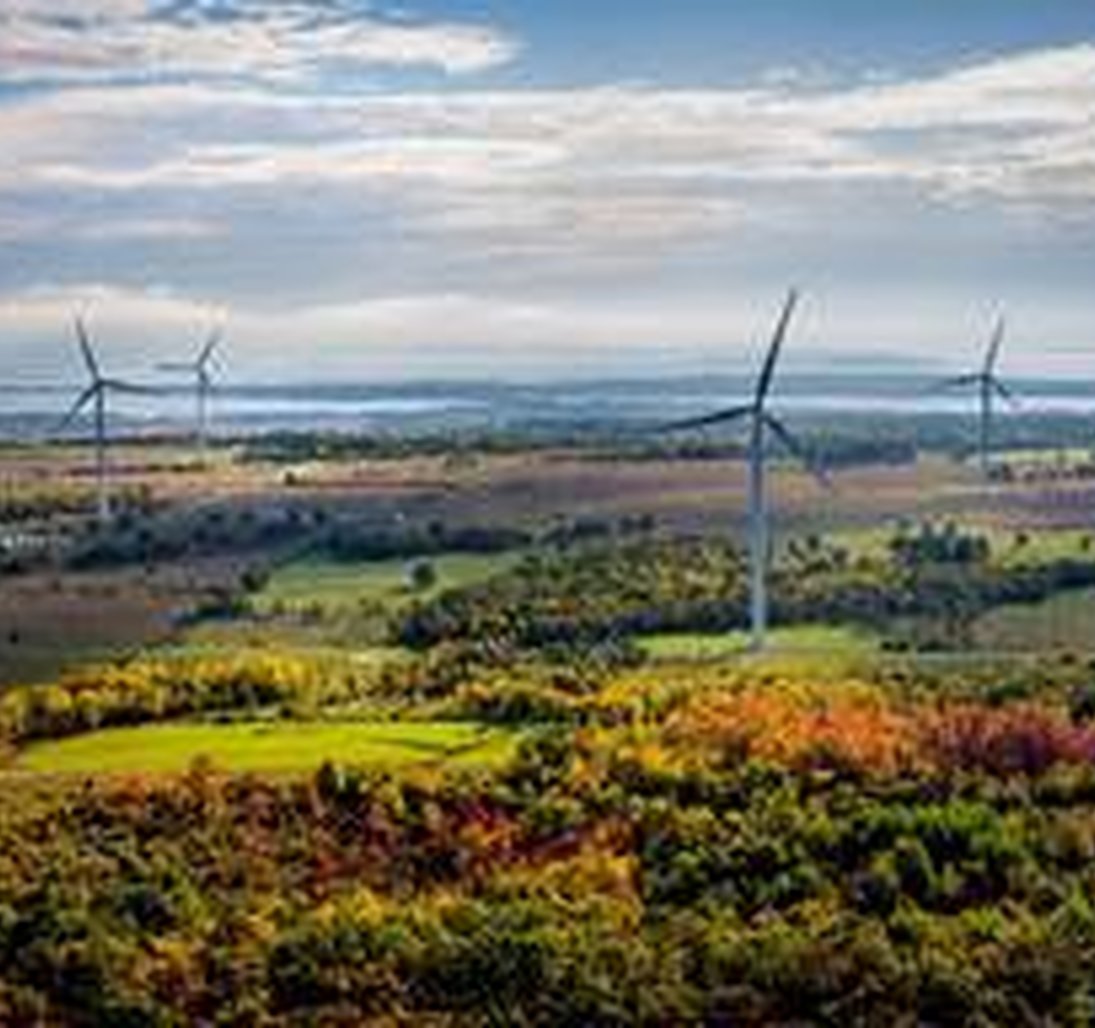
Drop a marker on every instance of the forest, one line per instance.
(701, 847)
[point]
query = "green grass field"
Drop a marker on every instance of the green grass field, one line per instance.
(338, 586)
(274, 746)
(800, 639)
(1038, 546)
(1066, 456)
(1042, 547)
(1063, 622)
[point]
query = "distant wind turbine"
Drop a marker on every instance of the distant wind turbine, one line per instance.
(761, 420)
(989, 387)
(96, 394)
(203, 383)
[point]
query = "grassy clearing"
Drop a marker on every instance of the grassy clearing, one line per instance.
(1063, 622)
(1037, 546)
(1042, 547)
(1061, 457)
(340, 587)
(800, 639)
(236, 644)
(871, 542)
(274, 747)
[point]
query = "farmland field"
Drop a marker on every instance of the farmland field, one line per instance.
(50, 622)
(337, 586)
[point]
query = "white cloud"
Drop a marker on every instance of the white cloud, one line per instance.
(103, 40)
(147, 229)
(535, 180)
(452, 161)
(638, 163)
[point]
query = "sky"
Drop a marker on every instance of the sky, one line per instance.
(523, 189)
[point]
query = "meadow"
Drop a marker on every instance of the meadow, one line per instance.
(282, 747)
(808, 639)
(1061, 623)
(332, 587)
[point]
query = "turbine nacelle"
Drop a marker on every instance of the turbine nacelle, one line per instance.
(987, 376)
(757, 410)
(989, 386)
(200, 367)
(96, 395)
(201, 363)
(101, 385)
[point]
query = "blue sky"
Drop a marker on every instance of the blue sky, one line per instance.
(520, 189)
(728, 42)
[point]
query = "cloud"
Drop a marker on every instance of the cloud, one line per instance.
(459, 334)
(627, 163)
(542, 191)
(147, 229)
(1021, 126)
(79, 41)
(451, 161)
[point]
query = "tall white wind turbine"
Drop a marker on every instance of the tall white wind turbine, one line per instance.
(989, 387)
(761, 421)
(200, 368)
(96, 395)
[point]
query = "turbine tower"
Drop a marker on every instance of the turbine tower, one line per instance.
(97, 394)
(203, 384)
(989, 387)
(761, 421)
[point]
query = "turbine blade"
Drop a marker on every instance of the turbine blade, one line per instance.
(997, 341)
(74, 411)
(764, 383)
(86, 349)
(798, 450)
(212, 343)
(118, 386)
(959, 382)
(1004, 391)
(716, 418)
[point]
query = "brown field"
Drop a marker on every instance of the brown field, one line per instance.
(174, 474)
(687, 494)
(710, 495)
(50, 621)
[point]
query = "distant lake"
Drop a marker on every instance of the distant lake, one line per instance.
(432, 406)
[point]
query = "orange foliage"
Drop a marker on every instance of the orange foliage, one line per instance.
(854, 728)
(845, 728)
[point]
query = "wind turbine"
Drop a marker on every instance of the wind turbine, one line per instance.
(96, 394)
(761, 421)
(203, 383)
(989, 387)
